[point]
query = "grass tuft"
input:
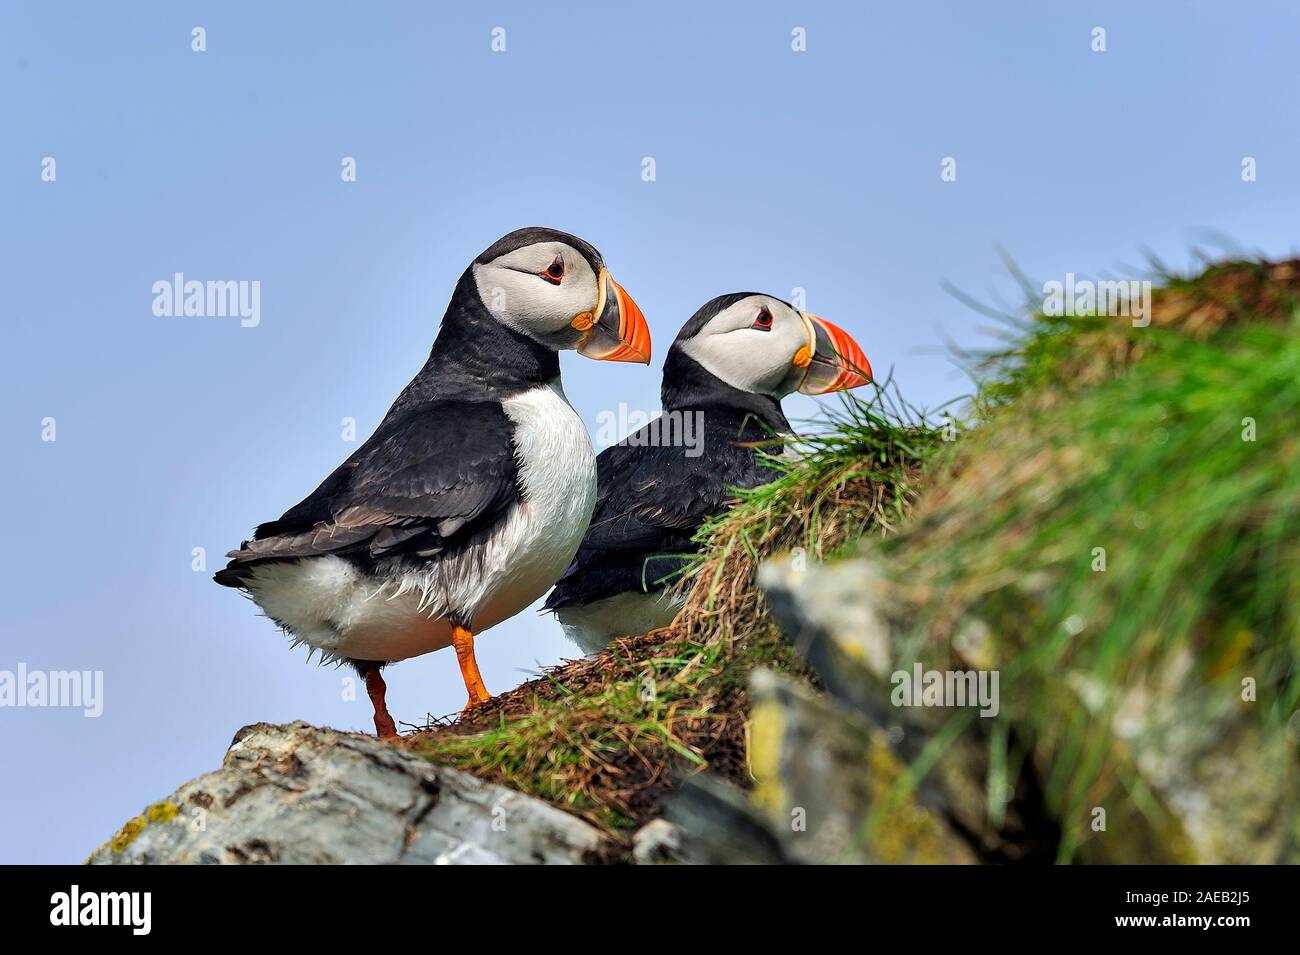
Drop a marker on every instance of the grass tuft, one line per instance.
(1127, 507)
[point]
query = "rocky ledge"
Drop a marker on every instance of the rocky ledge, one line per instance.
(296, 794)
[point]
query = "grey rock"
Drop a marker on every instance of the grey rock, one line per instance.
(1223, 789)
(845, 619)
(296, 794)
(824, 793)
(841, 618)
(658, 842)
(838, 617)
(721, 826)
(830, 784)
(1216, 788)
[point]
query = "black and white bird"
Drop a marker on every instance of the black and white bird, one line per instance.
(472, 496)
(723, 381)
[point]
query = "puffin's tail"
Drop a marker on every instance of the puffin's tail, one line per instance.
(271, 543)
(235, 574)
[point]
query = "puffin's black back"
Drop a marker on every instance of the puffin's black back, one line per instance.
(650, 500)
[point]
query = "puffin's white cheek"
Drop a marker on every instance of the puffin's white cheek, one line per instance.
(498, 290)
(751, 365)
(526, 303)
(557, 311)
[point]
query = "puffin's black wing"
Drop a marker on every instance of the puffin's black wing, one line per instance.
(647, 495)
(423, 483)
(650, 501)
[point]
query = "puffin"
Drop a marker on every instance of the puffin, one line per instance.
(471, 497)
(723, 380)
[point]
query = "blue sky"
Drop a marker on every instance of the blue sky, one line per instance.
(774, 170)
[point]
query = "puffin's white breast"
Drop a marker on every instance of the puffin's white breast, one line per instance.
(557, 471)
(629, 614)
(329, 604)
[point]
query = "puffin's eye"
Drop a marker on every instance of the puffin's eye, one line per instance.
(555, 271)
(764, 321)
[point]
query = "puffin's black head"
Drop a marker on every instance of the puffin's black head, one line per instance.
(554, 288)
(761, 345)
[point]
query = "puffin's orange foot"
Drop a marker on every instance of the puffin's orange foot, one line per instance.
(385, 728)
(463, 641)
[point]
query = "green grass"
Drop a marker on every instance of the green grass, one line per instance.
(1095, 434)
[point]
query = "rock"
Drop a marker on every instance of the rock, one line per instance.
(721, 827)
(842, 619)
(827, 781)
(295, 794)
(838, 617)
(845, 619)
(824, 793)
(1208, 802)
(658, 842)
(1214, 788)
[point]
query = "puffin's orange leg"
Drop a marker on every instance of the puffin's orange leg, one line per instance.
(376, 687)
(463, 641)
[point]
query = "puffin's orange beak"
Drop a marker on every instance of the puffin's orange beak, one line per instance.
(620, 333)
(833, 360)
